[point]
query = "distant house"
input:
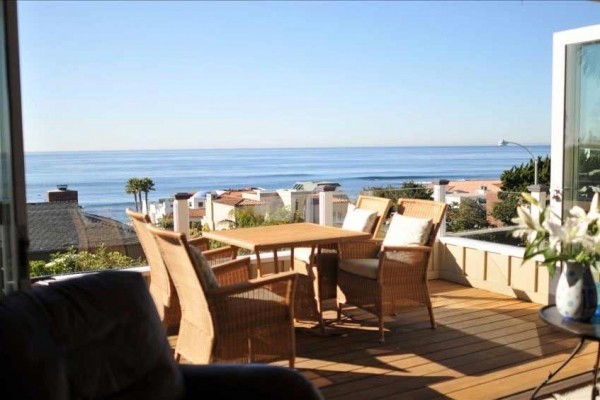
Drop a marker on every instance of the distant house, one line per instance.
(484, 192)
(220, 208)
(163, 208)
(60, 223)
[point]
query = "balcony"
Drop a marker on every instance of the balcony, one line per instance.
(489, 343)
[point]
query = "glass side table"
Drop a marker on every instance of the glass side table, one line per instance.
(583, 330)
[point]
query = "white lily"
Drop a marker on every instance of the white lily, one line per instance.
(525, 219)
(577, 238)
(595, 207)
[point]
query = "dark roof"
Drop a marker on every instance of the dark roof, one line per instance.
(57, 226)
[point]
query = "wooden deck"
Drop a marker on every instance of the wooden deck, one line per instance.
(486, 346)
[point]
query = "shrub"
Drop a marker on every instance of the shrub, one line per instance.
(72, 261)
(469, 215)
(166, 223)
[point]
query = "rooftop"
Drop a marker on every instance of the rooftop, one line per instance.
(59, 225)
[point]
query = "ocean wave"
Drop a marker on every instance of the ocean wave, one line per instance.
(394, 177)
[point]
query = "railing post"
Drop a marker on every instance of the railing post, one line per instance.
(181, 213)
(209, 217)
(538, 192)
(439, 194)
(326, 208)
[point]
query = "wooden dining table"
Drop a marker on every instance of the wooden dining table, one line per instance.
(276, 237)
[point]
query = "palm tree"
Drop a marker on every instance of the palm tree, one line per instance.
(146, 185)
(133, 187)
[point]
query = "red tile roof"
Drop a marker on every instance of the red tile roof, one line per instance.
(228, 200)
(250, 202)
(237, 201)
(197, 212)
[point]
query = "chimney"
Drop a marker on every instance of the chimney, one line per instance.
(61, 193)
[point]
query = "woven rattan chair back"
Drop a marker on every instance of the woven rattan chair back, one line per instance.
(196, 332)
(379, 204)
(424, 209)
(161, 287)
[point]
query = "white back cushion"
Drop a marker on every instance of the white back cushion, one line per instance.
(407, 231)
(359, 220)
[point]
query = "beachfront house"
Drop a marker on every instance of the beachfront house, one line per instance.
(221, 208)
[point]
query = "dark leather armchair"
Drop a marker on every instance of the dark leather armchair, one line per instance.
(99, 336)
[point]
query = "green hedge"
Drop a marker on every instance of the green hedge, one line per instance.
(73, 261)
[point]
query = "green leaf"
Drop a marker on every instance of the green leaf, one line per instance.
(551, 269)
(530, 199)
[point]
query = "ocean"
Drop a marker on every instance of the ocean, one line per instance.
(100, 176)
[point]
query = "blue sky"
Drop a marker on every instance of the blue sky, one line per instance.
(163, 75)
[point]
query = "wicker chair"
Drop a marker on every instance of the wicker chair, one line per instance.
(321, 282)
(398, 275)
(241, 320)
(161, 287)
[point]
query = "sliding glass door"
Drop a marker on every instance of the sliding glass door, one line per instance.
(576, 118)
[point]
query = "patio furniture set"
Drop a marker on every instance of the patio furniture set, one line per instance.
(222, 313)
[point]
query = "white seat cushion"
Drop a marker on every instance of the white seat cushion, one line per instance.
(366, 267)
(359, 220)
(407, 231)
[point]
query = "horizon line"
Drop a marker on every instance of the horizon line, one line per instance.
(273, 148)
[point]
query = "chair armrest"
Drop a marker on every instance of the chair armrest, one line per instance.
(359, 249)
(220, 255)
(269, 282)
(403, 263)
(249, 382)
(201, 243)
(388, 249)
(232, 272)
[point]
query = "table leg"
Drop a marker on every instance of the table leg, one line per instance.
(258, 264)
(316, 265)
(291, 259)
(552, 374)
(323, 327)
(275, 262)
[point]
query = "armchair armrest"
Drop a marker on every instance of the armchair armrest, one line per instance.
(201, 243)
(232, 272)
(386, 249)
(220, 255)
(284, 279)
(403, 263)
(359, 249)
